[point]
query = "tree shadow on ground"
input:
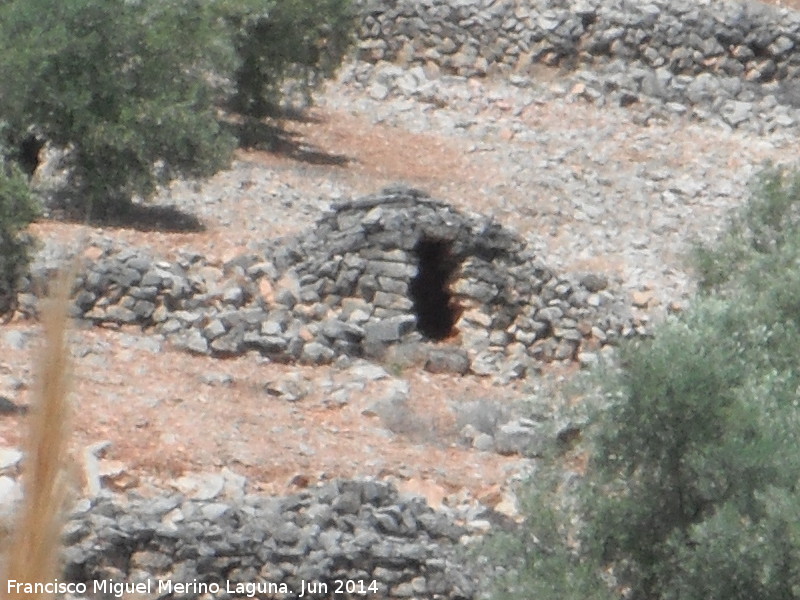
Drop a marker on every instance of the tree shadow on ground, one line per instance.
(141, 217)
(144, 217)
(253, 134)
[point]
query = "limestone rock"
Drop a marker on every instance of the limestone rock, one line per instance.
(448, 360)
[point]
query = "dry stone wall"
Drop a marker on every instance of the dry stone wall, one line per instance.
(350, 530)
(735, 59)
(469, 37)
(394, 269)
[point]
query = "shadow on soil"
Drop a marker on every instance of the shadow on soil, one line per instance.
(141, 217)
(251, 134)
(169, 219)
(258, 135)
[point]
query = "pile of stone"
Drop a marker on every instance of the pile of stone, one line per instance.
(360, 531)
(732, 60)
(396, 268)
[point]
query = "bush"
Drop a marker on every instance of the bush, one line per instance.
(758, 234)
(728, 556)
(542, 561)
(698, 430)
(300, 39)
(17, 210)
(691, 488)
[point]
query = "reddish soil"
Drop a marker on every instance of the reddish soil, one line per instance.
(162, 421)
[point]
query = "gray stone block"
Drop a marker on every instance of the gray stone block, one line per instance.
(267, 344)
(448, 360)
(521, 436)
(120, 314)
(232, 343)
(191, 341)
(214, 329)
(335, 329)
(315, 353)
(392, 301)
(394, 270)
(389, 330)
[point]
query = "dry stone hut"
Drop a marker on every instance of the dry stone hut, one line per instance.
(399, 267)
(394, 270)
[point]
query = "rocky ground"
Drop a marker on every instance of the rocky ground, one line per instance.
(590, 184)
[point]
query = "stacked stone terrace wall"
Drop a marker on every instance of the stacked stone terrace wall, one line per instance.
(469, 37)
(719, 54)
(390, 269)
(354, 530)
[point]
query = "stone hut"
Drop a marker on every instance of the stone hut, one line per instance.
(400, 267)
(396, 269)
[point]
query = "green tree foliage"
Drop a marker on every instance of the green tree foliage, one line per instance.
(698, 430)
(691, 491)
(539, 561)
(759, 235)
(123, 85)
(281, 39)
(17, 210)
(132, 90)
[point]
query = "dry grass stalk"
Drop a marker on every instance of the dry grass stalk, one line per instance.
(35, 545)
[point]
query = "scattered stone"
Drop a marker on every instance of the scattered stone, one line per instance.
(91, 466)
(192, 341)
(288, 389)
(521, 436)
(10, 459)
(315, 353)
(588, 360)
(149, 343)
(368, 372)
(643, 298)
(201, 486)
(16, 340)
(468, 433)
(115, 476)
(9, 407)
(216, 379)
(378, 91)
(594, 282)
(483, 442)
(10, 496)
(448, 360)
(736, 112)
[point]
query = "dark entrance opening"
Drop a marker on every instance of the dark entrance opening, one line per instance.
(27, 153)
(434, 306)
